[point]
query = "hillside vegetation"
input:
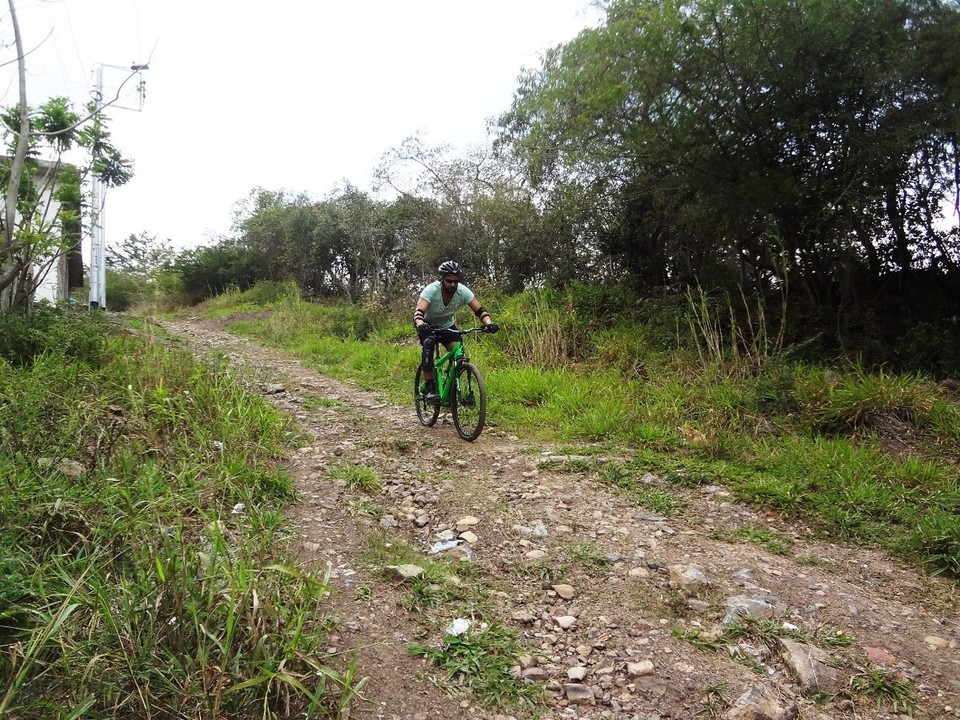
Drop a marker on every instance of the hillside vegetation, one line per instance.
(141, 516)
(869, 456)
(143, 502)
(720, 237)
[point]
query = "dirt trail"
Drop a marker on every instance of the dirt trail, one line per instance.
(637, 579)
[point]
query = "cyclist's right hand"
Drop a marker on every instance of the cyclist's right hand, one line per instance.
(424, 330)
(491, 327)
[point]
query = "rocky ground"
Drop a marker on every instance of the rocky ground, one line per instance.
(716, 610)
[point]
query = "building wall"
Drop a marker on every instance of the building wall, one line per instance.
(54, 286)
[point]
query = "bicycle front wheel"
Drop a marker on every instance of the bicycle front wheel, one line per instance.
(469, 402)
(427, 412)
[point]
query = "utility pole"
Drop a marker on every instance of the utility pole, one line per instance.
(98, 249)
(98, 244)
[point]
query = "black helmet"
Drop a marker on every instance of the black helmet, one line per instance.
(449, 267)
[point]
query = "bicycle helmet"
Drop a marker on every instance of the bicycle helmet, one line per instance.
(449, 267)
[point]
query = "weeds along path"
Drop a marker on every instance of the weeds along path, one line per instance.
(704, 608)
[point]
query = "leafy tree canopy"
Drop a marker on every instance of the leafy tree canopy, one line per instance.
(760, 143)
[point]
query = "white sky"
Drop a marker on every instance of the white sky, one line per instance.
(292, 95)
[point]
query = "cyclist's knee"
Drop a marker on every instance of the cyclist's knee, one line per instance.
(427, 356)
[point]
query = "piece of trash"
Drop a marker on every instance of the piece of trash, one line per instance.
(217, 445)
(238, 508)
(458, 627)
(445, 545)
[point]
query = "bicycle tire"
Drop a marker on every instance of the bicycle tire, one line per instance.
(427, 412)
(468, 403)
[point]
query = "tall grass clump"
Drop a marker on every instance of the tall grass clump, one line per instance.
(542, 334)
(740, 340)
(860, 399)
(143, 573)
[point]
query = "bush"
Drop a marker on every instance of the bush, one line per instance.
(931, 349)
(123, 290)
(267, 292)
(155, 292)
(75, 333)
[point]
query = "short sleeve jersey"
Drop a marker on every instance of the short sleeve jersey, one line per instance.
(438, 313)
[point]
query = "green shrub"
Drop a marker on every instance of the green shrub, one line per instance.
(930, 349)
(75, 333)
(123, 290)
(270, 292)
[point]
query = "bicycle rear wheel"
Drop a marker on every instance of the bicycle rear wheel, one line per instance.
(469, 402)
(427, 412)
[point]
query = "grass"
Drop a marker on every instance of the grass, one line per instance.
(863, 457)
(766, 632)
(357, 477)
(436, 586)
(317, 403)
(885, 689)
(630, 481)
(754, 630)
(425, 594)
(775, 542)
(714, 701)
(589, 556)
(480, 661)
(129, 586)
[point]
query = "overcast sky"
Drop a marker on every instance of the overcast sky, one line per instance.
(292, 95)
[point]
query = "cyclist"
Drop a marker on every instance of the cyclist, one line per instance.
(436, 307)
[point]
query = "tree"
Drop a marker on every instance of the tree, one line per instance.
(476, 208)
(32, 233)
(369, 251)
(140, 255)
(208, 271)
(748, 142)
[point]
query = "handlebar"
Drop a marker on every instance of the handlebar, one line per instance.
(468, 331)
(458, 332)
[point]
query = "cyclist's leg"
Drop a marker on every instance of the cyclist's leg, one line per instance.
(427, 373)
(426, 357)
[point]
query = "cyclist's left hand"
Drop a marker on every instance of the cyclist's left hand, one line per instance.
(491, 327)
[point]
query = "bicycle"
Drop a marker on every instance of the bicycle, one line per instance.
(459, 387)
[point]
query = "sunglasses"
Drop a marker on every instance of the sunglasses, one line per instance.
(448, 281)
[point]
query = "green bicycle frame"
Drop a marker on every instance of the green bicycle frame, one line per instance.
(442, 365)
